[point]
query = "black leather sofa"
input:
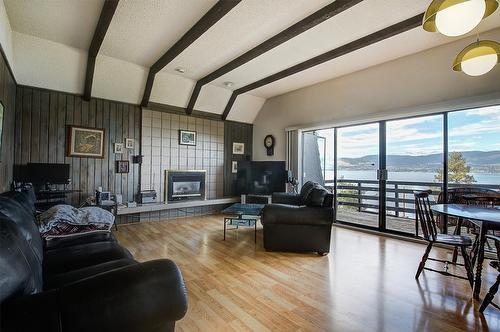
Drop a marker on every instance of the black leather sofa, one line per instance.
(299, 222)
(89, 283)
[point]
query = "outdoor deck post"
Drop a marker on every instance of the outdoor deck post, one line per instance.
(396, 196)
(359, 196)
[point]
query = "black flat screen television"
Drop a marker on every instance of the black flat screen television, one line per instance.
(261, 177)
(39, 173)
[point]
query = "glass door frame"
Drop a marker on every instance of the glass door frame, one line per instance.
(382, 171)
(382, 218)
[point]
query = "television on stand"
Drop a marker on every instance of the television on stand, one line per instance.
(261, 177)
(47, 174)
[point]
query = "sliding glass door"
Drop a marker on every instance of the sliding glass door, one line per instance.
(357, 183)
(374, 168)
(414, 154)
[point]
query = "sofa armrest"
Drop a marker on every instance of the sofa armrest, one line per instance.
(296, 215)
(286, 198)
(142, 297)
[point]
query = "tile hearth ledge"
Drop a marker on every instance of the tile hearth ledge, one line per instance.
(176, 205)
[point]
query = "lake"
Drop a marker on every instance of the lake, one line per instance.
(481, 178)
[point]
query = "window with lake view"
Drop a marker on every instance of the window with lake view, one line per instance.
(414, 158)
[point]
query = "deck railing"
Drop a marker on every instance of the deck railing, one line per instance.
(362, 195)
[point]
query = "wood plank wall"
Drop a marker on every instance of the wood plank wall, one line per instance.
(42, 120)
(240, 133)
(8, 99)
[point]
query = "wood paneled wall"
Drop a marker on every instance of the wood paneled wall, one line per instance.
(240, 133)
(42, 120)
(8, 99)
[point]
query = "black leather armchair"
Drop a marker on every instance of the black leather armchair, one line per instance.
(93, 284)
(299, 222)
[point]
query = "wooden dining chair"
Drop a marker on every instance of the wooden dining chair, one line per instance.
(430, 233)
(491, 293)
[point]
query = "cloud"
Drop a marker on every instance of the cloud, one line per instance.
(492, 110)
(485, 126)
(416, 149)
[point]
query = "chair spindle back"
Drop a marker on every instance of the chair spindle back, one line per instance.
(424, 215)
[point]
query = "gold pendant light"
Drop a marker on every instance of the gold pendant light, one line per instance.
(457, 17)
(478, 58)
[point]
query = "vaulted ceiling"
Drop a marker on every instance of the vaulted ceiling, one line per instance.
(52, 38)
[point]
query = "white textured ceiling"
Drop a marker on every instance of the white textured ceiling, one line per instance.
(143, 30)
(361, 20)
(410, 42)
(247, 25)
(69, 22)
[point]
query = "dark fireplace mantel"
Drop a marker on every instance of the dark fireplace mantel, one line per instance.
(185, 185)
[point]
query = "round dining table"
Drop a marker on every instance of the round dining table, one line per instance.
(485, 218)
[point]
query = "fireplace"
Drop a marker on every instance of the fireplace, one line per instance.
(184, 185)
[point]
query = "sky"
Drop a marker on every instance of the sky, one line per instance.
(470, 130)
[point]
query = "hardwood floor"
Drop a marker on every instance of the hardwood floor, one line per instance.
(366, 283)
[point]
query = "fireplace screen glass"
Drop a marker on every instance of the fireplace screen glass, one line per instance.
(186, 188)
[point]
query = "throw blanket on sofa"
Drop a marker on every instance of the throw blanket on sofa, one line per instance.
(65, 220)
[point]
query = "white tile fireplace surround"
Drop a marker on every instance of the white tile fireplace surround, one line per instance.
(161, 151)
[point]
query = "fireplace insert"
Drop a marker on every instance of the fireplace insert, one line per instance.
(184, 185)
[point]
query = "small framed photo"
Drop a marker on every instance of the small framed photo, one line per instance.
(85, 142)
(187, 137)
(234, 167)
(118, 148)
(122, 166)
(238, 148)
(129, 143)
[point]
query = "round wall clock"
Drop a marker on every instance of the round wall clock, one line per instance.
(269, 144)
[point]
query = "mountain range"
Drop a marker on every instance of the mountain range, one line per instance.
(475, 159)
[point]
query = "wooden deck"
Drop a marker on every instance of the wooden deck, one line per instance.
(405, 225)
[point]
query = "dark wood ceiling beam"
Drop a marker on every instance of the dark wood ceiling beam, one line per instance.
(219, 10)
(368, 40)
(107, 12)
(305, 24)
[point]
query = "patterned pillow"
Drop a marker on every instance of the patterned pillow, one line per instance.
(66, 220)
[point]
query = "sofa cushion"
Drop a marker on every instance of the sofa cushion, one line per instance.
(306, 190)
(64, 242)
(316, 197)
(296, 215)
(81, 256)
(62, 279)
(16, 207)
(20, 270)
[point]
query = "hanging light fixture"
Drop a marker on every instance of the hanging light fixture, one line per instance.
(457, 17)
(478, 58)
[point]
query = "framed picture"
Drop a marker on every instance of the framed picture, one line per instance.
(234, 167)
(119, 148)
(122, 166)
(1, 127)
(85, 142)
(129, 143)
(238, 148)
(187, 137)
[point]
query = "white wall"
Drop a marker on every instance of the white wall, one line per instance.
(389, 90)
(47, 64)
(116, 79)
(6, 36)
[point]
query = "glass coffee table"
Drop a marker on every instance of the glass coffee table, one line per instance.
(242, 215)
